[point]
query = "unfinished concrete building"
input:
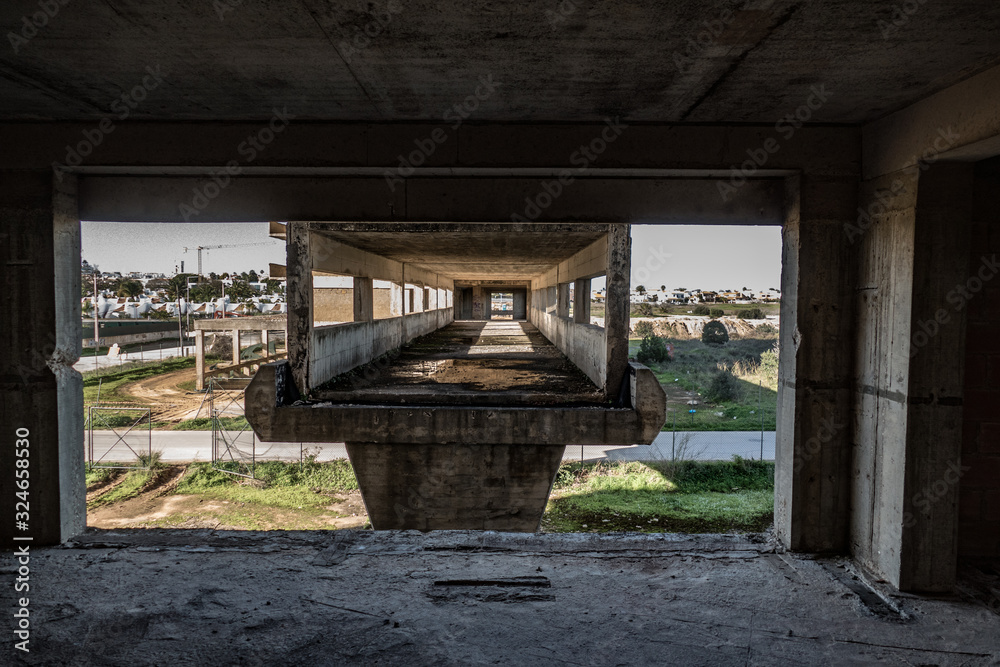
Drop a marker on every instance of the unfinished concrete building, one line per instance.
(868, 131)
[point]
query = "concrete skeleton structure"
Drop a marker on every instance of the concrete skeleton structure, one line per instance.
(872, 139)
(235, 327)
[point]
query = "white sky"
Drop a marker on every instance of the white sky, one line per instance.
(695, 257)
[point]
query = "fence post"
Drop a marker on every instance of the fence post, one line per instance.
(673, 440)
(760, 410)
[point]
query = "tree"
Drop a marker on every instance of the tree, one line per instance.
(663, 288)
(240, 290)
(273, 286)
(752, 314)
(253, 276)
(177, 286)
(714, 333)
(206, 291)
(640, 289)
(212, 275)
(128, 288)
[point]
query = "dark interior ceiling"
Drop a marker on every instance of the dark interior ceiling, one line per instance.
(597, 60)
(473, 255)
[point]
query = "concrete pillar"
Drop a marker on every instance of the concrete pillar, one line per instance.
(236, 346)
(265, 341)
(813, 457)
(581, 301)
(41, 395)
(396, 300)
(616, 309)
(199, 360)
(299, 289)
(364, 299)
(562, 300)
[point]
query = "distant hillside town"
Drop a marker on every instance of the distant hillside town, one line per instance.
(682, 295)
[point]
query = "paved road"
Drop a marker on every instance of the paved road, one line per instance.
(183, 446)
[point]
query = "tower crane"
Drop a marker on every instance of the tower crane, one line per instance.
(216, 247)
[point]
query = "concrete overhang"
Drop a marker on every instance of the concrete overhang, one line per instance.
(274, 411)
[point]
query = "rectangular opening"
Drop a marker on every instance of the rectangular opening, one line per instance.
(332, 299)
(387, 299)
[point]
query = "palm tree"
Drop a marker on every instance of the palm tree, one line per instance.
(129, 288)
(640, 289)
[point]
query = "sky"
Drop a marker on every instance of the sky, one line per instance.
(695, 257)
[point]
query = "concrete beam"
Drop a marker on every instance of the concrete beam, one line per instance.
(266, 198)
(932, 129)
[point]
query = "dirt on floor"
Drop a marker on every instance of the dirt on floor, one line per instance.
(157, 506)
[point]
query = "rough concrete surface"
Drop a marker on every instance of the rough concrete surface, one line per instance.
(450, 598)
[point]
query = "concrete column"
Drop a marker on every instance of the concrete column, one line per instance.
(265, 341)
(199, 360)
(581, 301)
(364, 299)
(616, 309)
(396, 300)
(562, 300)
(299, 289)
(236, 346)
(813, 457)
(40, 393)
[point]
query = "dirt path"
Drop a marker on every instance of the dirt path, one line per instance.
(170, 402)
(158, 506)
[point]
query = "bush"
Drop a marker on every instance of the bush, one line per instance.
(723, 387)
(642, 310)
(752, 314)
(769, 362)
(644, 329)
(765, 329)
(701, 310)
(714, 333)
(717, 312)
(652, 348)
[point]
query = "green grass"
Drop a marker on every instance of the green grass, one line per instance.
(110, 382)
(205, 424)
(277, 484)
(694, 497)
(130, 486)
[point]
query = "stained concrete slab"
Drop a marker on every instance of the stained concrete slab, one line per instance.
(358, 597)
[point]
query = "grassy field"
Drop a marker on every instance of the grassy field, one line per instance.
(110, 382)
(686, 496)
(751, 400)
(683, 496)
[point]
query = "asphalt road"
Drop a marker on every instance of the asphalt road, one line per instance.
(185, 446)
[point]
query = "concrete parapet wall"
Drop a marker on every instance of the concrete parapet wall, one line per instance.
(583, 344)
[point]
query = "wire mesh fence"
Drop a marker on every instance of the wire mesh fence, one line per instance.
(123, 437)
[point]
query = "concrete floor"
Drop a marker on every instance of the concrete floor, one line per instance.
(457, 598)
(471, 363)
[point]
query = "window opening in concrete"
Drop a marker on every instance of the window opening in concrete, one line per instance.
(387, 299)
(501, 305)
(332, 299)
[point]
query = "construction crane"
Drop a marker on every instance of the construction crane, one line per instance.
(216, 247)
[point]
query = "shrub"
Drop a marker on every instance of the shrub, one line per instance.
(715, 333)
(644, 329)
(643, 310)
(701, 310)
(652, 348)
(769, 362)
(765, 329)
(717, 312)
(723, 387)
(752, 314)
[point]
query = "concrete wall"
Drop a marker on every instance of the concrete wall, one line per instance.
(338, 348)
(979, 495)
(333, 304)
(584, 344)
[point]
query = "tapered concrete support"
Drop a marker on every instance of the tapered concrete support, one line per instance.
(199, 360)
(581, 301)
(813, 457)
(236, 346)
(616, 309)
(41, 396)
(455, 487)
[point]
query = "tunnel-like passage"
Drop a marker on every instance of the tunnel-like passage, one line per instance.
(455, 424)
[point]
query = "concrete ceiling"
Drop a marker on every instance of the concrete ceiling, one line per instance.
(462, 253)
(238, 59)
